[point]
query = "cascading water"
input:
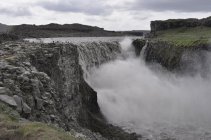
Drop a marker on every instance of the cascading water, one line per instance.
(152, 101)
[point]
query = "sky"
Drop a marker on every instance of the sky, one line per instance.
(108, 14)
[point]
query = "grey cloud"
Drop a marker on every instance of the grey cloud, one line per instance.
(15, 11)
(173, 5)
(90, 7)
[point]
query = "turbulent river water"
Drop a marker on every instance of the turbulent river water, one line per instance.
(151, 101)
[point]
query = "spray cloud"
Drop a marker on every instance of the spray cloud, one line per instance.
(137, 97)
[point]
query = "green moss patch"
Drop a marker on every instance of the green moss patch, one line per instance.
(40, 131)
(11, 128)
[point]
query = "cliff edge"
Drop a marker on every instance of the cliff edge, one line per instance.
(45, 83)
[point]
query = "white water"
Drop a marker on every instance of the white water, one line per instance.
(151, 101)
(78, 40)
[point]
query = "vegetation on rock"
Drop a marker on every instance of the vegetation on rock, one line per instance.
(185, 36)
(172, 39)
(12, 127)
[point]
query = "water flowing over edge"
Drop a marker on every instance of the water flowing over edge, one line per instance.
(151, 101)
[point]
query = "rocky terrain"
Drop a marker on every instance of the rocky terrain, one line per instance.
(45, 83)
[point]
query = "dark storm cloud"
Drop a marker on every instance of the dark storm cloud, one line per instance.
(173, 5)
(89, 7)
(15, 11)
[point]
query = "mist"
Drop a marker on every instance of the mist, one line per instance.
(149, 100)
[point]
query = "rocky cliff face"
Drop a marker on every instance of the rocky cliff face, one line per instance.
(173, 57)
(44, 82)
(178, 23)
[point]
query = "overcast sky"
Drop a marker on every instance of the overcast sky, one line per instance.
(109, 14)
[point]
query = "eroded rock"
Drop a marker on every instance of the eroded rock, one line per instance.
(47, 85)
(8, 100)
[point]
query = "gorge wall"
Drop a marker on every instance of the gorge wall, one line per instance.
(182, 59)
(45, 83)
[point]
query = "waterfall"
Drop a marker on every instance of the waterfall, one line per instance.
(151, 101)
(142, 54)
(93, 54)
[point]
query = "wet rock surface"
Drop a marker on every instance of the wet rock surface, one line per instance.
(138, 45)
(45, 83)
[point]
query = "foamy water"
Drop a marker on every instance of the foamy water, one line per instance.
(77, 40)
(151, 101)
(147, 99)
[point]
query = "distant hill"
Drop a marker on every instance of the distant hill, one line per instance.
(135, 32)
(5, 35)
(66, 30)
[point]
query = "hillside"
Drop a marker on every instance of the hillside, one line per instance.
(66, 30)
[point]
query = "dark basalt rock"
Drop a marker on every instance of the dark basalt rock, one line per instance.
(160, 25)
(164, 53)
(176, 58)
(91, 117)
(138, 45)
(49, 79)
(183, 59)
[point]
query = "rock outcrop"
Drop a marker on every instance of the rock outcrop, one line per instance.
(45, 83)
(176, 58)
(138, 45)
(160, 25)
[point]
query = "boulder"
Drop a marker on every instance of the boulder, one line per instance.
(8, 100)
